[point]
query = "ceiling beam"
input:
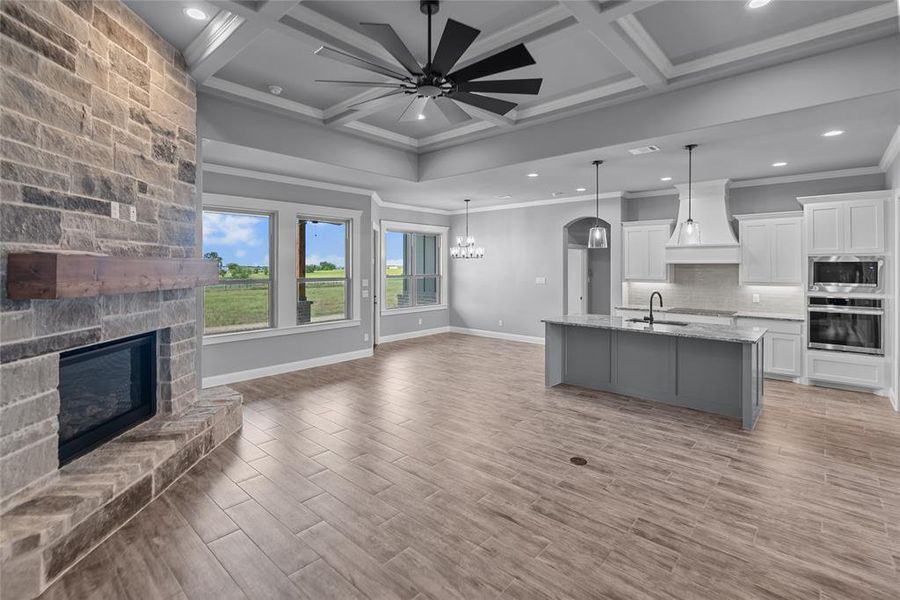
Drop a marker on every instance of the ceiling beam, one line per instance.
(600, 21)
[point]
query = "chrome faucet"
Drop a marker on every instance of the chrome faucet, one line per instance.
(655, 293)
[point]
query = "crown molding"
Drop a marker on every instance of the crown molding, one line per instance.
(891, 152)
(533, 203)
(212, 36)
(742, 183)
(382, 133)
(435, 211)
(289, 179)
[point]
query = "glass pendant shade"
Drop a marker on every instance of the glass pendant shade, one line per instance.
(690, 233)
(597, 237)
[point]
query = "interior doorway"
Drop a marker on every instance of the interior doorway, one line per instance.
(586, 271)
(577, 281)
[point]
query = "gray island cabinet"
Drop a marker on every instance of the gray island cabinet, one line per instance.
(713, 368)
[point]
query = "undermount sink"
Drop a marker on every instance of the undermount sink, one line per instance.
(658, 322)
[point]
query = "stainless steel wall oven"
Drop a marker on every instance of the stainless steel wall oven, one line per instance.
(846, 324)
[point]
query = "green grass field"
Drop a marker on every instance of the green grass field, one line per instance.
(240, 307)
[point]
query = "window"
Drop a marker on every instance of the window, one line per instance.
(323, 270)
(241, 242)
(413, 267)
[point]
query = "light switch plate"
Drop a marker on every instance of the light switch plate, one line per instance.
(420, 321)
(540, 281)
(365, 337)
(365, 283)
(755, 298)
(365, 293)
(114, 210)
(132, 213)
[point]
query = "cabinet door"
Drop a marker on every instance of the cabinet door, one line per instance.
(864, 226)
(824, 233)
(787, 259)
(636, 253)
(784, 354)
(656, 253)
(756, 252)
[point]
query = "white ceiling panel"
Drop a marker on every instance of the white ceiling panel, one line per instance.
(168, 19)
(689, 29)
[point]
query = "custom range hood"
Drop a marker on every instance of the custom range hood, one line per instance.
(709, 208)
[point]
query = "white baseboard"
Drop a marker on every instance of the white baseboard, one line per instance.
(408, 335)
(895, 400)
(511, 337)
(309, 363)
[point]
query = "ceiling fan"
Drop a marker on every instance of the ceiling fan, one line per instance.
(436, 81)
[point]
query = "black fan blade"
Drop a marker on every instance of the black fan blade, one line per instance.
(382, 99)
(502, 86)
(349, 59)
(494, 105)
(455, 40)
(374, 84)
(386, 36)
(513, 58)
(451, 110)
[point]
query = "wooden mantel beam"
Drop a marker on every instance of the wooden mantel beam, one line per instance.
(49, 275)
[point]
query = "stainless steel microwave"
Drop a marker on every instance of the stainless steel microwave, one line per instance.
(846, 274)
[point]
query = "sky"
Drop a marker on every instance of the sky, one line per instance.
(244, 239)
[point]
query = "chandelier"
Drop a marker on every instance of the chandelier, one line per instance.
(465, 248)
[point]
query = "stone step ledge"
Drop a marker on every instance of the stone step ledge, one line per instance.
(44, 535)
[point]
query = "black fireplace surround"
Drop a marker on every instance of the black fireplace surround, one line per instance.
(105, 390)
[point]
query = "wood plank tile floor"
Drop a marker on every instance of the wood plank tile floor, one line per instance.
(440, 468)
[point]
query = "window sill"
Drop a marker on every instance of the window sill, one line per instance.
(224, 338)
(415, 309)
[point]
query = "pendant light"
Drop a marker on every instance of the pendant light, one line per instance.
(689, 235)
(597, 235)
(465, 248)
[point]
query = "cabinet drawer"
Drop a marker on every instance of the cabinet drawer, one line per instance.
(846, 368)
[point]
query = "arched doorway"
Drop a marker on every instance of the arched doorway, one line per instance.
(586, 271)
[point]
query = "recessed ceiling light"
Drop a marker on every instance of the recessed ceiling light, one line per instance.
(275, 90)
(779, 164)
(665, 179)
(757, 3)
(504, 197)
(833, 133)
(643, 150)
(580, 189)
(532, 175)
(421, 117)
(195, 13)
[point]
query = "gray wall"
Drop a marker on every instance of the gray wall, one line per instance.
(400, 324)
(221, 359)
(599, 283)
(520, 245)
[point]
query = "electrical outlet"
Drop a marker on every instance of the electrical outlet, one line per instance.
(365, 283)
(540, 281)
(365, 337)
(132, 213)
(500, 322)
(420, 321)
(114, 210)
(755, 298)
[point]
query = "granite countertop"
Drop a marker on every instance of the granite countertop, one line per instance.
(722, 313)
(720, 333)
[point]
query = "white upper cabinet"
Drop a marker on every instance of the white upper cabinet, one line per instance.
(771, 248)
(845, 223)
(644, 250)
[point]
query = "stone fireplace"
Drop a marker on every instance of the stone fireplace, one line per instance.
(97, 157)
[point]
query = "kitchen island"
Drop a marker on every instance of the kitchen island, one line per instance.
(713, 368)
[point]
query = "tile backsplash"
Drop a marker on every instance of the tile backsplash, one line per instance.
(715, 287)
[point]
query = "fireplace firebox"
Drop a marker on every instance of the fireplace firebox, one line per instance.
(105, 390)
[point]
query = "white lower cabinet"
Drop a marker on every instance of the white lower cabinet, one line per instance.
(846, 368)
(784, 345)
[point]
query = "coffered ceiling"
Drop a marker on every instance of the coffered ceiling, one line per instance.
(588, 53)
